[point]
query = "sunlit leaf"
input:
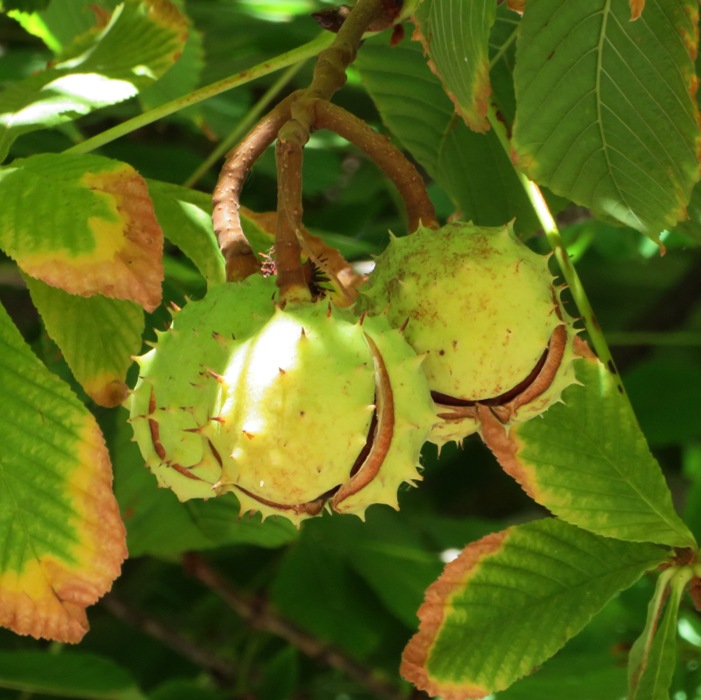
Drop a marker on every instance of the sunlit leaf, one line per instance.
(84, 224)
(606, 107)
(60, 532)
(587, 461)
(97, 336)
(456, 36)
(62, 21)
(511, 600)
(109, 64)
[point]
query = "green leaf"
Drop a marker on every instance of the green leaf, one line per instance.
(574, 676)
(380, 547)
(653, 656)
(24, 5)
(587, 461)
(186, 218)
(97, 336)
(160, 525)
(606, 113)
(456, 36)
(511, 600)
(61, 537)
(316, 588)
(82, 223)
(666, 381)
(68, 674)
(109, 64)
(281, 675)
(472, 168)
(182, 78)
(62, 21)
(182, 689)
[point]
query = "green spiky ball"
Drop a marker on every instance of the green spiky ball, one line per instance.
(320, 409)
(482, 308)
(171, 405)
(292, 409)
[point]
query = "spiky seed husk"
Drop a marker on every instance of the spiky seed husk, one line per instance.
(171, 405)
(289, 408)
(482, 308)
(297, 406)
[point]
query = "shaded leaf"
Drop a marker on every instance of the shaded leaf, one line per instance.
(185, 689)
(654, 655)
(575, 676)
(106, 65)
(692, 227)
(666, 382)
(84, 224)
(315, 570)
(68, 674)
(606, 111)
(511, 600)
(181, 78)
(61, 537)
(472, 168)
(186, 218)
(380, 547)
(456, 36)
(587, 461)
(97, 336)
(24, 5)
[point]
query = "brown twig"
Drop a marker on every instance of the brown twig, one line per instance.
(291, 280)
(169, 636)
(330, 69)
(258, 614)
(240, 260)
(393, 162)
(329, 75)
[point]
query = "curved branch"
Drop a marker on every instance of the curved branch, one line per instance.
(240, 260)
(291, 280)
(396, 166)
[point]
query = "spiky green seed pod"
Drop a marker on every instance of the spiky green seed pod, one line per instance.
(292, 409)
(320, 409)
(171, 405)
(482, 308)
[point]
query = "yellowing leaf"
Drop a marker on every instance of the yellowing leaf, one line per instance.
(509, 601)
(636, 9)
(588, 462)
(455, 35)
(61, 535)
(85, 224)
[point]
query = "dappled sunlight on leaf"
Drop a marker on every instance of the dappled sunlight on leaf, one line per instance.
(109, 64)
